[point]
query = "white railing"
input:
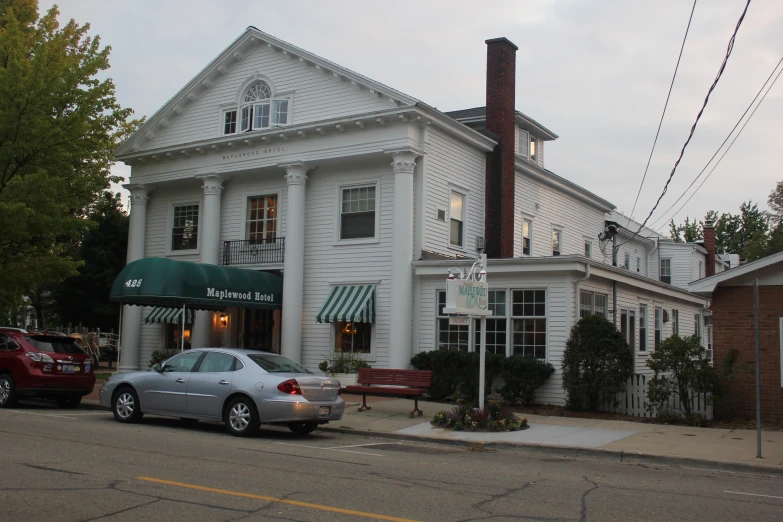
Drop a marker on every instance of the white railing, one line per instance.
(634, 400)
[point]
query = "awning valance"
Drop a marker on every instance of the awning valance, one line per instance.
(157, 281)
(349, 303)
(161, 314)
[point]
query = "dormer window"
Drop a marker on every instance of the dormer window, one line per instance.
(533, 149)
(258, 110)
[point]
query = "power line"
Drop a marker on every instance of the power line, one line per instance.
(729, 147)
(722, 144)
(729, 49)
(665, 105)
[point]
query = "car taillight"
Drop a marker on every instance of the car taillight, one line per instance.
(39, 357)
(290, 387)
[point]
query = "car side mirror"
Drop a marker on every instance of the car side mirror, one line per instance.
(158, 368)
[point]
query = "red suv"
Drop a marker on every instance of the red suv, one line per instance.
(44, 366)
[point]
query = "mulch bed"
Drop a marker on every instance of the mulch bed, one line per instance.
(560, 411)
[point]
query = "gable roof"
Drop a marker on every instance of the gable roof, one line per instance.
(707, 285)
(235, 52)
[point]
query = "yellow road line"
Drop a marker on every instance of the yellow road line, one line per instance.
(279, 500)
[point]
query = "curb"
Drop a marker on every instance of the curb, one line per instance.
(571, 452)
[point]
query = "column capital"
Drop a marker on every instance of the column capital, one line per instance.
(139, 193)
(296, 173)
(212, 183)
(404, 160)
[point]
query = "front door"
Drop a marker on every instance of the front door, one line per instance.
(209, 386)
(259, 330)
(165, 391)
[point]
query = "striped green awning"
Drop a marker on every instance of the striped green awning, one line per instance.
(161, 314)
(349, 303)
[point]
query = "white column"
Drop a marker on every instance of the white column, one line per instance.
(404, 165)
(209, 225)
(293, 267)
(131, 315)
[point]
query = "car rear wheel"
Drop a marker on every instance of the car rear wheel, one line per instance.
(302, 428)
(69, 401)
(7, 391)
(242, 417)
(126, 406)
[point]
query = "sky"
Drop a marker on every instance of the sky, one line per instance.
(595, 72)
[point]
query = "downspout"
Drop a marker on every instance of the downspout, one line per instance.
(614, 282)
(650, 254)
(576, 291)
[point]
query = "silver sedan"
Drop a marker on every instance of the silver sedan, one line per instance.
(242, 388)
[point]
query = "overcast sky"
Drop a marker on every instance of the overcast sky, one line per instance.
(595, 72)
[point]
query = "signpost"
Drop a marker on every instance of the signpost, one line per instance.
(467, 297)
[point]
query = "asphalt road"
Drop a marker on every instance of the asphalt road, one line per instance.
(81, 465)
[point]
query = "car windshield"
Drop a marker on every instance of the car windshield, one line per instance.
(47, 343)
(277, 364)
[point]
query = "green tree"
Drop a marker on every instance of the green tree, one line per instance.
(102, 253)
(597, 363)
(744, 233)
(688, 232)
(680, 370)
(59, 125)
(775, 202)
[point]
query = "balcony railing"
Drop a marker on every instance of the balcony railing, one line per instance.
(254, 251)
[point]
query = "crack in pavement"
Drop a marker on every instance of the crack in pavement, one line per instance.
(44, 468)
(119, 512)
(583, 514)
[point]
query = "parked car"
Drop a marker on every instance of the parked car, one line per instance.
(43, 366)
(241, 388)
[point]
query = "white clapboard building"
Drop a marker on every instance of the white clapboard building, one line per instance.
(362, 197)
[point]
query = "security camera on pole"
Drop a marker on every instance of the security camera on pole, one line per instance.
(467, 294)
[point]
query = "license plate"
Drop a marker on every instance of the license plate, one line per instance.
(323, 411)
(67, 369)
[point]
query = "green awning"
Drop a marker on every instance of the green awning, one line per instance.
(156, 281)
(349, 303)
(161, 314)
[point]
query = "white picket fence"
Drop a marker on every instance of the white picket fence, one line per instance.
(634, 400)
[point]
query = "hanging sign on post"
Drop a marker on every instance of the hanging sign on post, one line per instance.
(467, 297)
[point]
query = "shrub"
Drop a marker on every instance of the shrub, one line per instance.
(158, 356)
(680, 371)
(597, 363)
(494, 417)
(523, 376)
(456, 373)
(340, 362)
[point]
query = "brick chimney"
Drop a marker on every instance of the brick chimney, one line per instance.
(501, 85)
(709, 244)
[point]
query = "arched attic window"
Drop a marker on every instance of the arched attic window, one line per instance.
(258, 109)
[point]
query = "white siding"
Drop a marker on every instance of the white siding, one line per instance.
(684, 262)
(161, 200)
(636, 249)
(234, 201)
(451, 164)
(326, 264)
(547, 207)
(317, 96)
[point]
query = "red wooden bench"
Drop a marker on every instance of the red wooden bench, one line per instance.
(392, 382)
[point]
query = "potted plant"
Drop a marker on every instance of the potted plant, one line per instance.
(343, 366)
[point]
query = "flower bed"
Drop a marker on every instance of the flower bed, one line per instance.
(494, 417)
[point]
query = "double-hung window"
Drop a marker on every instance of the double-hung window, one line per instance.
(675, 322)
(261, 224)
(588, 249)
(258, 109)
(701, 270)
(627, 264)
(658, 325)
(357, 212)
(457, 217)
(557, 242)
(496, 325)
(184, 228)
(666, 271)
(352, 337)
(451, 337)
(642, 328)
(638, 264)
(527, 230)
(591, 303)
(524, 143)
(528, 309)
(533, 149)
(697, 325)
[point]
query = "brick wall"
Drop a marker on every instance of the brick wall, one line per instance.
(733, 328)
(501, 86)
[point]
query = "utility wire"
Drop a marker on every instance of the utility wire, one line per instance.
(665, 105)
(729, 49)
(729, 147)
(722, 144)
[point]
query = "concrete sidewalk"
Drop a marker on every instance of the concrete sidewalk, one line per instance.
(732, 450)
